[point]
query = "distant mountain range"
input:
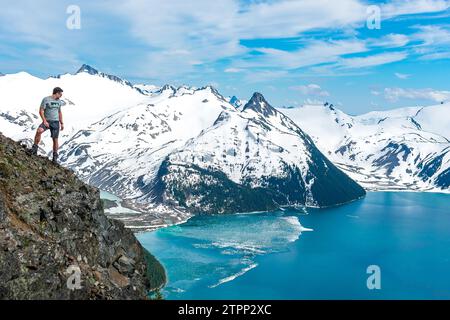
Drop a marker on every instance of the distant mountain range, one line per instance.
(174, 152)
(401, 149)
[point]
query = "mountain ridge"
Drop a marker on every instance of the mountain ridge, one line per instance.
(85, 68)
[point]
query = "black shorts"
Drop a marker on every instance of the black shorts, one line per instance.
(54, 128)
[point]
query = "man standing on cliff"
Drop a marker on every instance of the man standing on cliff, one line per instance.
(51, 115)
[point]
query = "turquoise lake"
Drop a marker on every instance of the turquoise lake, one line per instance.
(274, 255)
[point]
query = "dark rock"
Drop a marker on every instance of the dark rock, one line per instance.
(125, 265)
(51, 223)
(2, 210)
(117, 278)
(47, 183)
(259, 104)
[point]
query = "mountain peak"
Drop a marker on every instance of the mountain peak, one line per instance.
(85, 68)
(167, 87)
(210, 88)
(259, 104)
(88, 69)
(258, 97)
(213, 90)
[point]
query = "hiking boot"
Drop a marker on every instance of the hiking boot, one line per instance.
(34, 150)
(55, 158)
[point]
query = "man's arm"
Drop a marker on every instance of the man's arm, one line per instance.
(61, 120)
(41, 113)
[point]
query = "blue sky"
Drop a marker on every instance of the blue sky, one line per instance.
(294, 52)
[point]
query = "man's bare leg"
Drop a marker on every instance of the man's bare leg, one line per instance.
(55, 149)
(37, 139)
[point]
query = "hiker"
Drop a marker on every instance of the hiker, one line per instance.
(50, 112)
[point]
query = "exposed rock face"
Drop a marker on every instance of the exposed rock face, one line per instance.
(51, 224)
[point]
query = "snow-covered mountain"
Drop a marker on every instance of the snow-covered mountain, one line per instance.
(124, 150)
(172, 151)
(249, 160)
(401, 149)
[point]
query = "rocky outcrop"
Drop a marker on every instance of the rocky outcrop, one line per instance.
(55, 240)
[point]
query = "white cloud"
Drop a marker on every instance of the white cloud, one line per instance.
(402, 76)
(394, 94)
(430, 42)
(184, 34)
(393, 40)
(406, 7)
(311, 90)
(316, 52)
(373, 60)
(313, 102)
(432, 35)
(285, 18)
(233, 70)
(375, 92)
(435, 56)
(434, 42)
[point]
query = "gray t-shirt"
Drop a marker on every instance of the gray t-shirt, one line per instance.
(51, 108)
